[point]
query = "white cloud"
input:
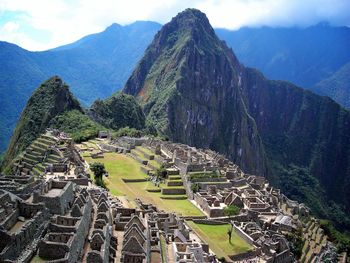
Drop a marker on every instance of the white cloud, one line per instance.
(11, 26)
(68, 20)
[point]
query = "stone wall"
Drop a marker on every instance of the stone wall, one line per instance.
(209, 222)
(243, 235)
(63, 225)
(173, 191)
(245, 255)
(56, 204)
(31, 230)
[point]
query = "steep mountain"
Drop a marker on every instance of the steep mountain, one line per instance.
(193, 89)
(337, 86)
(189, 85)
(303, 56)
(49, 100)
(98, 64)
(95, 66)
(306, 138)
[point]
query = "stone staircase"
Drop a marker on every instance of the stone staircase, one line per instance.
(30, 161)
(314, 241)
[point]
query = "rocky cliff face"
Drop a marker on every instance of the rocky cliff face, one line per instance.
(48, 101)
(307, 141)
(194, 90)
(189, 84)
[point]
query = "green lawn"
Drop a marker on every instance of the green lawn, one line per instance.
(122, 166)
(37, 259)
(154, 163)
(217, 238)
(145, 150)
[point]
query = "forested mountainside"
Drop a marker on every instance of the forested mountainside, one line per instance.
(49, 100)
(99, 64)
(194, 90)
(337, 86)
(307, 142)
(52, 105)
(94, 66)
(191, 88)
(189, 85)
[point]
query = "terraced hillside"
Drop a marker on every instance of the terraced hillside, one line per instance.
(132, 174)
(37, 156)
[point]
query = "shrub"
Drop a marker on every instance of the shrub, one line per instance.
(231, 210)
(78, 125)
(98, 169)
(127, 131)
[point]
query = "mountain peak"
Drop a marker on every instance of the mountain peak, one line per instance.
(184, 75)
(49, 100)
(190, 20)
(191, 16)
(114, 26)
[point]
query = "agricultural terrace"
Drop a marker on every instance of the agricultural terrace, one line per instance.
(217, 238)
(121, 166)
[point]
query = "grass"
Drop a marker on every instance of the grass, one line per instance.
(145, 150)
(37, 259)
(217, 238)
(154, 163)
(121, 166)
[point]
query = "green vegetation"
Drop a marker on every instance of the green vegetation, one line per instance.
(48, 101)
(215, 236)
(37, 259)
(337, 86)
(1, 158)
(127, 131)
(231, 210)
(298, 184)
(194, 176)
(120, 110)
(99, 170)
(340, 239)
(120, 166)
(161, 173)
(77, 124)
(95, 67)
(296, 242)
(195, 187)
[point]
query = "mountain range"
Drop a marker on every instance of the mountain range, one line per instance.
(97, 65)
(190, 87)
(194, 90)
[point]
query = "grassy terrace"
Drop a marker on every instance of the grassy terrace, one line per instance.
(121, 166)
(216, 237)
(146, 150)
(154, 163)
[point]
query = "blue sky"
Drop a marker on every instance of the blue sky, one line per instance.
(44, 24)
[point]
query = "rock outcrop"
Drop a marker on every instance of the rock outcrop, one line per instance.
(195, 91)
(189, 83)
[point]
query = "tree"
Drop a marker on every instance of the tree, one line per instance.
(195, 187)
(98, 169)
(161, 172)
(229, 233)
(231, 210)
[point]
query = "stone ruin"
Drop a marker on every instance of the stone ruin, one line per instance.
(21, 227)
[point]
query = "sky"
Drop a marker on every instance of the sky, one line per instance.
(43, 24)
